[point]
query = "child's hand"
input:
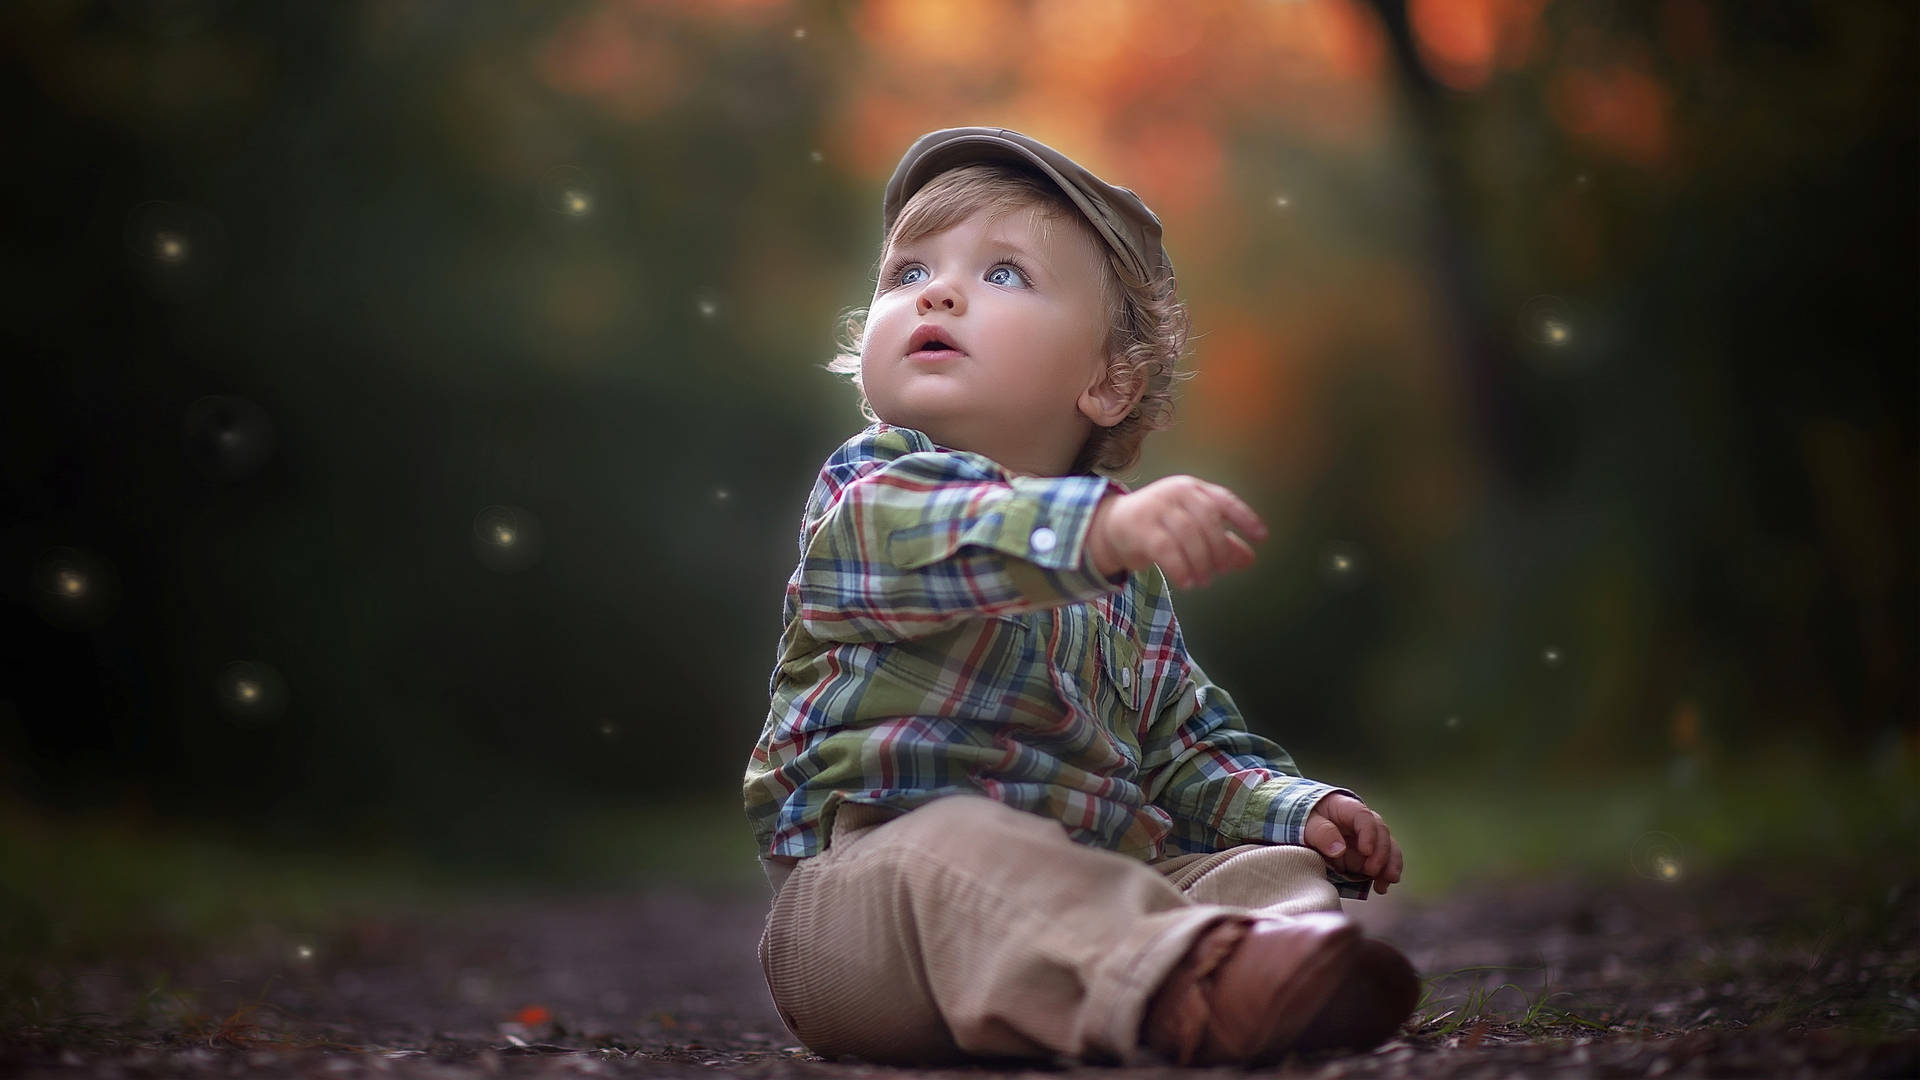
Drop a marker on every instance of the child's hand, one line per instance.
(1353, 839)
(1181, 523)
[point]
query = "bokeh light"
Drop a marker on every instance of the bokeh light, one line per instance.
(1344, 565)
(74, 589)
(251, 691)
(176, 247)
(568, 191)
(507, 538)
(1657, 856)
(1550, 335)
(1552, 656)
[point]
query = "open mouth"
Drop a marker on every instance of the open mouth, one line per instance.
(935, 350)
(930, 342)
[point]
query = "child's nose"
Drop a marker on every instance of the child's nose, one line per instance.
(938, 294)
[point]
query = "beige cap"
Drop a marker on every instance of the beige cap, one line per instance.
(1117, 214)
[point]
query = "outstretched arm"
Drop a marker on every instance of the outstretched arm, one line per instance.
(903, 541)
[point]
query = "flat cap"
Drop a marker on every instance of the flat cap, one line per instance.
(1116, 213)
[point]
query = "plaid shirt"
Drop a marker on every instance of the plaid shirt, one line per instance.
(947, 632)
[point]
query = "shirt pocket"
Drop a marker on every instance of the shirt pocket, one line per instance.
(1119, 666)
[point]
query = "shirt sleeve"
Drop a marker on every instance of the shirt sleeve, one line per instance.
(1206, 768)
(903, 539)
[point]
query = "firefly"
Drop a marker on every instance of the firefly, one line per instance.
(1668, 867)
(1551, 655)
(506, 538)
(247, 690)
(1555, 332)
(71, 583)
(305, 951)
(708, 308)
(170, 247)
(1282, 201)
(799, 32)
(576, 202)
(817, 157)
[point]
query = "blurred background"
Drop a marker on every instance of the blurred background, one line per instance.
(409, 405)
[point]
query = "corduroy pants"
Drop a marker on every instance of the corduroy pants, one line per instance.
(966, 928)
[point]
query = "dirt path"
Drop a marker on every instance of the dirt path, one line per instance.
(1786, 976)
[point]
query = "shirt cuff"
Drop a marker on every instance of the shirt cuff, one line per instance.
(1277, 814)
(1045, 529)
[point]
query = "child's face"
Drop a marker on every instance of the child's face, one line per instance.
(1026, 312)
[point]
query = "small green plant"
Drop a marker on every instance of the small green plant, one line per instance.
(1439, 1015)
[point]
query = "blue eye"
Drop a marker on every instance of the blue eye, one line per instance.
(1016, 271)
(898, 274)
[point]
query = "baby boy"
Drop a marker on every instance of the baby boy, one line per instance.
(1004, 812)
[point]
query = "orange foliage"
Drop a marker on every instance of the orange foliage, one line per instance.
(1233, 387)
(1456, 39)
(941, 43)
(1622, 109)
(1175, 166)
(604, 55)
(1461, 40)
(1347, 35)
(1128, 80)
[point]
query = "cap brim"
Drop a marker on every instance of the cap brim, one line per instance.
(938, 151)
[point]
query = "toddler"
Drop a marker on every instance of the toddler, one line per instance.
(1004, 813)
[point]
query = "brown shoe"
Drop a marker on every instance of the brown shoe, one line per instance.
(1247, 991)
(1369, 1006)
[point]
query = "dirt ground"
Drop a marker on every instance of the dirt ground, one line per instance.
(1812, 974)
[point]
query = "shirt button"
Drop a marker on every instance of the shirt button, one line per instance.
(1043, 539)
(1126, 678)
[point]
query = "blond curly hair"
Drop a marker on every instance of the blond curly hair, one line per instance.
(1147, 326)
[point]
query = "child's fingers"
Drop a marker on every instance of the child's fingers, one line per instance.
(1242, 553)
(1190, 537)
(1238, 512)
(1324, 837)
(1364, 823)
(1378, 842)
(1395, 865)
(1385, 849)
(1225, 550)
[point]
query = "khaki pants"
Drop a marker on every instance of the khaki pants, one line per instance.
(967, 928)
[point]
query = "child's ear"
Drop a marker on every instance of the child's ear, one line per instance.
(1107, 402)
